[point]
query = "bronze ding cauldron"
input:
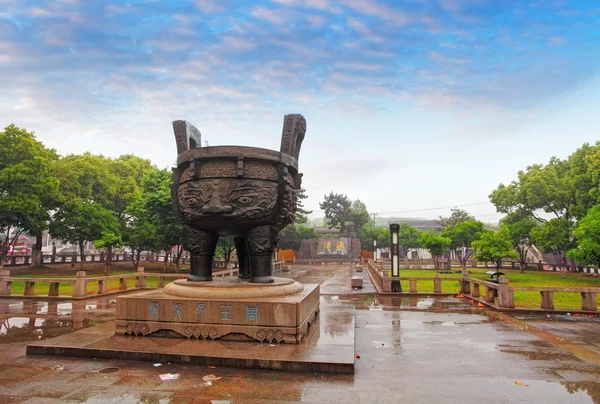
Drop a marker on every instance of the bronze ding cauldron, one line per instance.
(248, 193)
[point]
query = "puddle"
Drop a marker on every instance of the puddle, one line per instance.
(108, 370)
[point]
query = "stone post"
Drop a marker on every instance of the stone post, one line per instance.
(101, 286)
(506, 296)
(476, 292)
(413, 285)
(140, 279)
(588, 301)
(437, 285)
(4, 282)
(53, 289)
(29, 288)
(79, 288)
(122, 284)
(547, 300)
(161, 282)
(490, 295)
(465, 285)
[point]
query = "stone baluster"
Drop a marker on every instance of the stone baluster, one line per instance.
(437, 285)
(161, 281)
(588, 301)
(547, 300)
(476, 292)
(101, 286)
(122, 284)
(79, 288)
(5, 282)
(413, 285)
(465, 284)
(506, 296)
(490, 294)
(53, 289)
(140, 279)
(29, 287)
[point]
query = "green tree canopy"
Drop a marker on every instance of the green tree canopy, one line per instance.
(301, 212)
(408, 238)
(495, 246)
(462, 234)
(79, 222)
(588, 235)
(337, 208)
(520, 227)
(456, 216)
(436, 244)
(554, 237)
(28, 188)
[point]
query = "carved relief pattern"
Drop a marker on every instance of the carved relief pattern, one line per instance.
(221, 168)
(287, 210)
(260, 240)
(255, 169)
(200, 241)
(187, 175)
(231, 199)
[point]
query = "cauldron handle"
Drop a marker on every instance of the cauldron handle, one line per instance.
(187, 136)
(294, 129)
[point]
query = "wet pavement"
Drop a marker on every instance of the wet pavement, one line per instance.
(408, 350)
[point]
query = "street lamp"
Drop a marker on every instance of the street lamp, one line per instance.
(394, 228)
(375, 250)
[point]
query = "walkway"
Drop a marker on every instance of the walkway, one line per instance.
(408, 350)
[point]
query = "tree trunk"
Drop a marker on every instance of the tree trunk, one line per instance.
(178, 258)
(81, 254)
(166, 260)
(36, 259)
(108, 260)
(137, 258)
(133, 253)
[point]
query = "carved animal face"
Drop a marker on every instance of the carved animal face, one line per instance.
(227, 198)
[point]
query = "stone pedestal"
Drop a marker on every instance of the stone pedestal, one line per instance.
(226, 309)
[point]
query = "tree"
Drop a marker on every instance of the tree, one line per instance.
(301, 213)
(28, 189)
(520, 227)
(157, 205)
(291, 237)
(457, 216)
(554, 237)
(359, 215)
(337, 208)
(588, 235)
(436, 244)
(461, 235)
(495, 246)
(139, 234)
(79, 222)
(369, 232)
(408, 238)
(225, 247)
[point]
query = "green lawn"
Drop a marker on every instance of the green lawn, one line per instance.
(516, 278)
(41, 288)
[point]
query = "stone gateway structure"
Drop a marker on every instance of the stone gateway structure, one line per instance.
(249, 194)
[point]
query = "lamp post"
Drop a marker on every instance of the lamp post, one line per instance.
(374, 250)
(394, 228)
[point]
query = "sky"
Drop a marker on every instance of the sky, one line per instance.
(412, 106)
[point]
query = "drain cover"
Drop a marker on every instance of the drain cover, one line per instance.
(108, 370)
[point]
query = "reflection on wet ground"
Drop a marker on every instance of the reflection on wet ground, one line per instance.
(420, 350)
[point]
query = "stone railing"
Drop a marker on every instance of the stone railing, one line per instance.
(502, 296)
(383, 282)
(81, 281)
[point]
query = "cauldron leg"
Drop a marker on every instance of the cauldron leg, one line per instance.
(260, 249)
(202, 249)
(241, 247)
